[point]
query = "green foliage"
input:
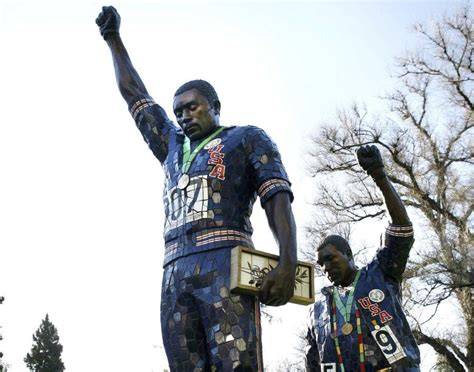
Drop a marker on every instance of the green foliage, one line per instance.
(45, 355)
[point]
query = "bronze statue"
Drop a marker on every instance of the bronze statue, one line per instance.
(213, 176)
(358, 323)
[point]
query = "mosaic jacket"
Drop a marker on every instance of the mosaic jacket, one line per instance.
(225, 178)
(378, 313)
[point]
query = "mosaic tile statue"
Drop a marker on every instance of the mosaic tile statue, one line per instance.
(358, 324)
(213, 175)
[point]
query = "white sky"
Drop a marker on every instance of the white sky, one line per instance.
(80, 195)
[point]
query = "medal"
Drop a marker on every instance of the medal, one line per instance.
(347, 329)
(345, 309)
(183, 181)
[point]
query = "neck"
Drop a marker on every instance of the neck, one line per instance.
(350, 277)
(195, 141)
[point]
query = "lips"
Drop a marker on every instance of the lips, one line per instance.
(190, 126)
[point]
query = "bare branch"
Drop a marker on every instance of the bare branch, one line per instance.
(439, 346)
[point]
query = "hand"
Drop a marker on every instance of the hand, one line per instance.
(370, 159)
(278, 286)
(108, 21)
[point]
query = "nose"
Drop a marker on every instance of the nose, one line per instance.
(326, 267)
(185, 118)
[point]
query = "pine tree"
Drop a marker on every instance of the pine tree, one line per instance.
(46, 352)
(3, 366)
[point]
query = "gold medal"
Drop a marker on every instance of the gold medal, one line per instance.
(183, 181)
(347, 329)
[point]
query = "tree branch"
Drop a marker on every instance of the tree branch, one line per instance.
(439, 346)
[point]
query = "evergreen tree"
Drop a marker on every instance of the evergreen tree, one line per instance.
(46, 352)
(3, 366)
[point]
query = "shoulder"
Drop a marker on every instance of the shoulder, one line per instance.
(249, 136)
(371, 270)
(249, 131)
(256, 131)
(255, 138)
(322, 297)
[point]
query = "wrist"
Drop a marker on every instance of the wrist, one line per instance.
(289, 267)
(377, 173)
(110, 35)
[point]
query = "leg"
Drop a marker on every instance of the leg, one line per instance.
(181, 326)
(232, 322)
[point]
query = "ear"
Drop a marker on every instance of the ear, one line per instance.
(217, 107)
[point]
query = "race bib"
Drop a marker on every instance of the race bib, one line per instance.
(191, 204)
(388, 344)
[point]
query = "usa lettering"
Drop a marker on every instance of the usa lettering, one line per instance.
(216, 158)
(375, 310)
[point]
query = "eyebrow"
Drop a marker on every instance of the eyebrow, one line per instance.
(324, 257)
(185, 105)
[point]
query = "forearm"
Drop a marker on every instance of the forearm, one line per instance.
(128, 80)
(282, 224)
(395, 207)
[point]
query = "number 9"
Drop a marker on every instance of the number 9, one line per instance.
(385, 340)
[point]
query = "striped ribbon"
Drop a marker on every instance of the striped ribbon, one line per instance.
(359, 338)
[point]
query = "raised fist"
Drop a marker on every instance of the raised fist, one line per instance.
(108, 21)
(369, 158)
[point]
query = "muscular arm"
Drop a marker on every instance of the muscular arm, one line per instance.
(282, 223)
(130, 85)
(150, 118)
(370, 159)
(129, 82)
(394, 204)
(278, 285)
(393, 256)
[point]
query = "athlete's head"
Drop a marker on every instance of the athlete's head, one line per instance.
(197, 108)
(335, 257)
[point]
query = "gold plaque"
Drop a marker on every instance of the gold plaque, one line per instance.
(249, 266)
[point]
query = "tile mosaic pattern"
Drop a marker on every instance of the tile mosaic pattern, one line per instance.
(250, 166)
(384, 274)
(206, 327)
(203, 326)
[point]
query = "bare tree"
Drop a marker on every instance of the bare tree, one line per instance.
(426, 138)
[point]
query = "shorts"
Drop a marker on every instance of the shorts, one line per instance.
(204, 327)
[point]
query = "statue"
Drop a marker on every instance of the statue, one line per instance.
(213, 176)
(358, 323)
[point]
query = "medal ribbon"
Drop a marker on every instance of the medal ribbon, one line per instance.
(359, 339)
(188, 157)
(346, 313)
(345, 310)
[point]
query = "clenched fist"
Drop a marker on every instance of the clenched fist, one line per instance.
(370, 159)
(108, 21)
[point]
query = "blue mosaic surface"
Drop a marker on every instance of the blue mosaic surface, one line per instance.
(203, 326)
(383, 273)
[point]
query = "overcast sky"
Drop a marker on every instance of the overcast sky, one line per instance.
(80, 195)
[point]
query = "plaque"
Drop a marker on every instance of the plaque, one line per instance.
(249, 266)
